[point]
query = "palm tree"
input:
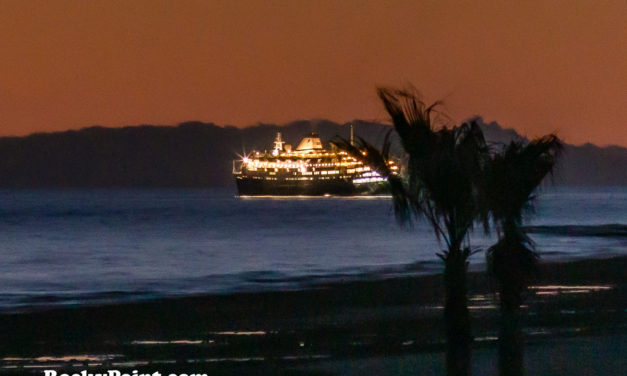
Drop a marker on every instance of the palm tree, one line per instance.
(512, 177)
(444, 170)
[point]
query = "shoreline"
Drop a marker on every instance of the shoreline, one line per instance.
(419, 271)
(353, 320)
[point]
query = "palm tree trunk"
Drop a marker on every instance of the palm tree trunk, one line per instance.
(510, 346)
(456, 315)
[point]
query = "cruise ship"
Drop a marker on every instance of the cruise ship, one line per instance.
(307, 170)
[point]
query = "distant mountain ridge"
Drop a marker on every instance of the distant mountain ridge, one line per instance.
(195, 154)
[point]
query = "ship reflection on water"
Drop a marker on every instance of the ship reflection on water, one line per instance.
(556, 289)
(325, 196)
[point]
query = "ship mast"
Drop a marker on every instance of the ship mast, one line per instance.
(352, 135)
(278, 144)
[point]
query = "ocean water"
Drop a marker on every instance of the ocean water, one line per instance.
(73, 247)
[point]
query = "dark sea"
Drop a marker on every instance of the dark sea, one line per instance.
(77, 247)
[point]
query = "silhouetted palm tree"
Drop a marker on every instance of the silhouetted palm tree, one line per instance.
(512, 177)
(443, 174)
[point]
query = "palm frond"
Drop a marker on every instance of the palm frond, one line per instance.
(379, 160)
(444, 167)
(412, 119)
(514, 174)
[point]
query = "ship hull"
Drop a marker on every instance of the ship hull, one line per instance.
(251, 186)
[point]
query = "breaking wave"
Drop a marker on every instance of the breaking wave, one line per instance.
(606, 231)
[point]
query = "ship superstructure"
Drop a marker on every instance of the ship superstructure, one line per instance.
(309, 170)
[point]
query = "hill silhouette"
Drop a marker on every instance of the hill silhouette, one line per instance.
(195, 154)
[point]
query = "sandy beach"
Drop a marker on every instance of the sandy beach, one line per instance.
(574, 322)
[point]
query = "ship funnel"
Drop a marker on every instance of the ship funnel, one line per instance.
(310, 143)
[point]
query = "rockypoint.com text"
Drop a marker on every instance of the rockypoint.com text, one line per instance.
(114, 372)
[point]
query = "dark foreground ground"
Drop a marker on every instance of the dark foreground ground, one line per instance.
(574, 321)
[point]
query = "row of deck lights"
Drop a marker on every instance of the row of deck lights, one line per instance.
(256, 163)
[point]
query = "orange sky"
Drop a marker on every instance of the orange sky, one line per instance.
(536, 66)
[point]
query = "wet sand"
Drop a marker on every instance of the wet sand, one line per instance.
(573, 313)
